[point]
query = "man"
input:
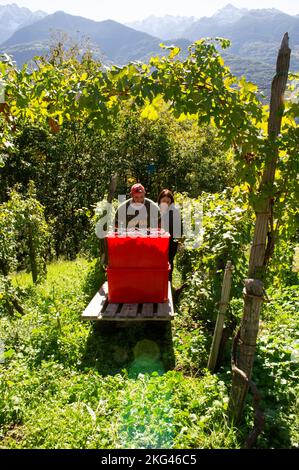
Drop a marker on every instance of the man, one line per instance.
(138, 211)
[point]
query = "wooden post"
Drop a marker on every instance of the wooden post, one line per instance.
(32, 254)
(242, 362)
(225, 293)
(112, 187)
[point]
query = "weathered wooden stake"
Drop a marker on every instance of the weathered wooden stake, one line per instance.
(112, 187)
(225, 293)
(242, 360)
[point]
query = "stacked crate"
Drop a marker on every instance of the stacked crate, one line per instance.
(138, 267)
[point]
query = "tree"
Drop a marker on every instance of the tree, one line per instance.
(23, 231)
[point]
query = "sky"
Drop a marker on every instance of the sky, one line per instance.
(130, 10)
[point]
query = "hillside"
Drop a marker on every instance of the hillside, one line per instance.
(117, 337)
(255, 37)
(116, 42)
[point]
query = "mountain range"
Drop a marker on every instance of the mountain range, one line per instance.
(109, 40)
(13, 17)
(164, 27)
(255, 36)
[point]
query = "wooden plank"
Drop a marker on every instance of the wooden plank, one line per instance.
(94, 308)
(128, 310)
(100, 309)
(164, 310)
(109, 311)
(147, 310)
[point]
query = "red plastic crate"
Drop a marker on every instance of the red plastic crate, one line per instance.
(137, 285)
(136, 251)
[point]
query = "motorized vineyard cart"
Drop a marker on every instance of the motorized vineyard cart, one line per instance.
(137, 286)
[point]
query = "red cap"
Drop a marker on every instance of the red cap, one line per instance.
(137, 188)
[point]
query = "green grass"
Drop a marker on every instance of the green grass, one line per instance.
(65, 383)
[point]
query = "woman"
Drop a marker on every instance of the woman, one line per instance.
(171, 222)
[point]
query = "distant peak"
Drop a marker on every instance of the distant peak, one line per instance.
(59, 13)
(229, 6)
(12, 6)
(229, 13)
(109, 20)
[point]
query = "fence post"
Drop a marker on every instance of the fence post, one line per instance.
(225, 293)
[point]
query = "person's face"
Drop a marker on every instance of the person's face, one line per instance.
(165, 202)
(138, 198)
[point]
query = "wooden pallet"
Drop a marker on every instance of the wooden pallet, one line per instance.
(100, 309)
